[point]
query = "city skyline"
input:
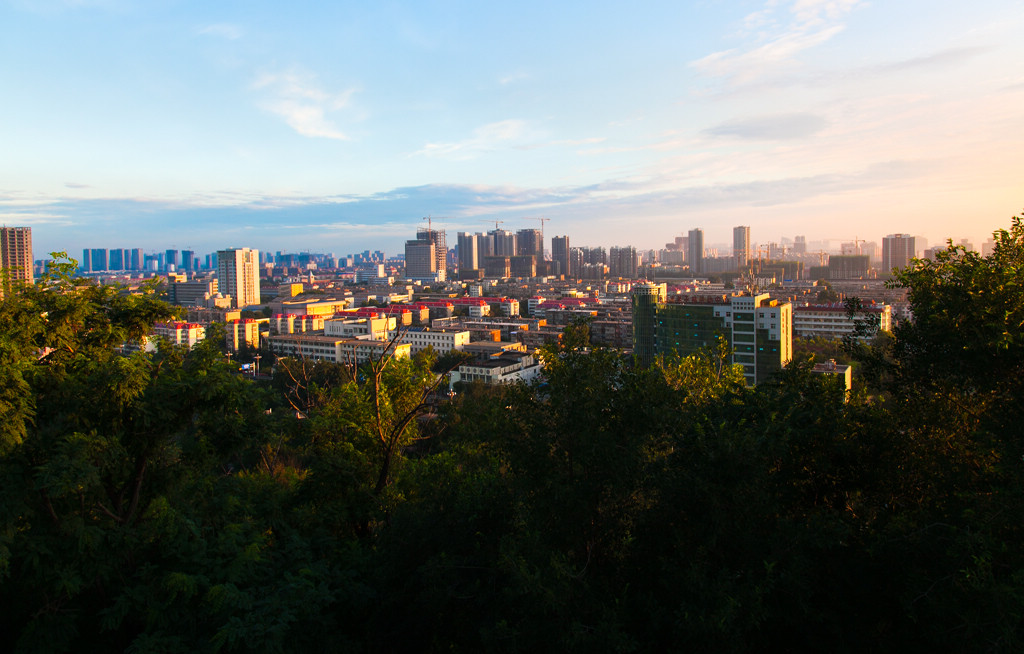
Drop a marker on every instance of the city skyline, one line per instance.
(339, 128)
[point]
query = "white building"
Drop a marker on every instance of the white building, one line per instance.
(442, 341)
(376, 329)
(179, 333)
(504, 369)
(831, 321)
(334, 349)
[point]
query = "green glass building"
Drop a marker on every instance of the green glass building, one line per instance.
(759, 329)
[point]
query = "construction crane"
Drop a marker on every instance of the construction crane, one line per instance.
(542, 221)
(856, 242)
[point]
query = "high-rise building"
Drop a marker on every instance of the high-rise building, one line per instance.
(504, 243)
(238, 275)
(437, 237)
(530, 242)
(16, 257)
(116, 259)
(623, 262)
(98, 260)
(136, 259)
(799, 245)
(523, 265)
(469, 251)
(647, 297)
(421, 261)
(741, 244)
(848, 266)
(897, 251)
(595, 255)
(560, 255)
(498, 267)
(188, 260)
(695, 256)
(171, 259)
(758, 329)
(426, 258)
(485, 245)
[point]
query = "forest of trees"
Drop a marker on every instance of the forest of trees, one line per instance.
(164, 503)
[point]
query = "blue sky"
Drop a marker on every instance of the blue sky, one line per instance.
(338, 126)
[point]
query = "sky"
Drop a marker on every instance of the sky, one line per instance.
(338, 127)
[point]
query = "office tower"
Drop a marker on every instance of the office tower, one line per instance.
(530, 242)
(646, 299)
(897, 251)
(759, 330)
(98, 260)
(623, 262)
(116, 259)
(188, 260)
(741, 244)
(469, 251)
(171, 259)
(695, 256)
(16, 257)
(238, 275)
(560, 255)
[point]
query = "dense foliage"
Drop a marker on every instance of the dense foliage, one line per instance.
(161, 502)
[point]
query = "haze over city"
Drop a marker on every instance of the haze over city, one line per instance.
(337, 128)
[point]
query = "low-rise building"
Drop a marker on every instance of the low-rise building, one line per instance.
(180, 333)
(843, 372)
(443, 341)
(246, 330)
(290, 323)
(833, 321)
(375, 328)
(334, 349)
(504, 368)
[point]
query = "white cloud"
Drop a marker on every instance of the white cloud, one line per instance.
(37, 218)
(780, 40)
(222, 30)
(514, 77)
(487, 138)
(296, 97)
